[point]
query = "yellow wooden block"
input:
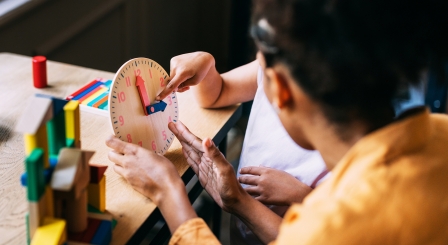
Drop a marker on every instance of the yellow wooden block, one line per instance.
(40, 140)
(72, 124)
(52, 232)
(97, 194)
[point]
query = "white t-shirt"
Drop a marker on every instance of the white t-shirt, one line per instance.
(267, 143)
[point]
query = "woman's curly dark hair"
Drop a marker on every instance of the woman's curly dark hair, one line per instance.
(351, 56)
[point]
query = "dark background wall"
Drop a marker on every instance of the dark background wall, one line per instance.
(103, 34)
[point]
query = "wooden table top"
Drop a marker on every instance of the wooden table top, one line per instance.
(127, 206)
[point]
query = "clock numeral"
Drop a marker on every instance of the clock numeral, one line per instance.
(164, 135)
(150, 73)
(140, 143)
(162, 84)
(121, 97)
(170, 101)
(128, 82)
(129, 138)
(121, 119)
(153, 145)
(137, 72)
(169, 119)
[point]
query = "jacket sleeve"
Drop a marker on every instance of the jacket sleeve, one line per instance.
(194, 231)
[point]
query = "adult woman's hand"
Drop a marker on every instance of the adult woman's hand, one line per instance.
(214, 172)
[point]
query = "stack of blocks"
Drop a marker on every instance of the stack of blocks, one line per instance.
(66, 195)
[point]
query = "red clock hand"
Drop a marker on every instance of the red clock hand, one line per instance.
(140, 84)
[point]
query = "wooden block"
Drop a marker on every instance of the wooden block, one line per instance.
(36, 213)
(56, 134)
(70, 143)
(47, 177)
(87, 235)
(49, 205)
(58, 104)
(104, 233)
(38, 111)
(72, 124)
(76, 213)
(38, 140)
(97, 172)
(65, 172)
(99, 215)
(35, 175)
(97, 194)
(27, 221)
(91, 230)
(52, 232)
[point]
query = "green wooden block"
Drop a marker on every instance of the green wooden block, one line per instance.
(56, 134)
(70, 143)
(27, 219)
(34, 164)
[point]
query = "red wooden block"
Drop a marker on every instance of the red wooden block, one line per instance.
(40, 71)
(87, 235)
(91, 230)
(96, 173)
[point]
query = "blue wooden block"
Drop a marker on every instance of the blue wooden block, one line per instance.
(103, 234)
(58, 104)
(88, 90)
(47, 176)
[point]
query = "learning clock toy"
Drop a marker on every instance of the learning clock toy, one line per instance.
(135, 115)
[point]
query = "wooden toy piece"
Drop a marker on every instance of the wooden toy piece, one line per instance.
(135, 120)
(49, 206)
(38, 140)
(52, 232)
(87, 90)
(70, 179)
(35, 175)
(76, 212)
(36, 213)
(104, 233)
(47, 176)
(36, 114)
(81, 89)
(91, 230)
(27, 221)
(97, 194)
(72, 122)
(141, 88)
(56, 134)
(65, 172)
(40, 71)
(58, 104)
(70, 143)
(97, 172)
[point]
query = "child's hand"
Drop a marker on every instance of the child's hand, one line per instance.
(150, 174)
(273, 187)
(187, 70)
(213, 170)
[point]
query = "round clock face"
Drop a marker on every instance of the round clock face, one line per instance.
(135, 115)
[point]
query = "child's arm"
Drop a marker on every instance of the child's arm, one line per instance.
(272, 186)
(214, 89)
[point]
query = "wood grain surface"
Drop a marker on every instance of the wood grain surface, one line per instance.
(127, 206)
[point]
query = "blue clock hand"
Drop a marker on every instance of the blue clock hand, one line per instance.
(156, 107)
